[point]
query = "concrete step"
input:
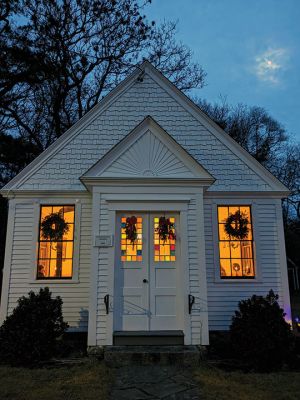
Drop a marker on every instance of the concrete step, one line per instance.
(184, 356)
(148, 338)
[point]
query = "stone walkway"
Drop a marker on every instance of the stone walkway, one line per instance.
(154, 383)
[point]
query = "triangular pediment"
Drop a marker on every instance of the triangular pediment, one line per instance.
(148, 152)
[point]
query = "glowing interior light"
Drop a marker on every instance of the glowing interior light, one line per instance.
(132, 251)
(164, 251)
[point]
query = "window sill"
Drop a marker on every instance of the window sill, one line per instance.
(247, 281)
(45, 282)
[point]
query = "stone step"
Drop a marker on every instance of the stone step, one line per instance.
(185, 356)
(148, 338)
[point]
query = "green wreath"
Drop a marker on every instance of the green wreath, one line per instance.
(165, 229)
(236, 225)
(54, 226)
(130, 229)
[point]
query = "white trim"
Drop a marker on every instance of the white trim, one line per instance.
(147, 182)
(146, 197)
(32, 279)
(256, 255)
(283, 264)
(146, 206)
(93, 302)
(36, 195)
(7, 260)
(209, 194)
(204, 335)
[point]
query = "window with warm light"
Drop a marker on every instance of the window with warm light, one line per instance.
(164, 250)
(55, 257)
(132, 251)
(236, 256)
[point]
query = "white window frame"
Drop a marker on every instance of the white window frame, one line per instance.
(256, 250)
(76, 243)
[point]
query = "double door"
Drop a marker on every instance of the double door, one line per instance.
(148, 279)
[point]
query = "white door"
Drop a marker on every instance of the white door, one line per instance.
(148, 280)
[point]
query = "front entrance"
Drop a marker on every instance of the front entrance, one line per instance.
(148, 279)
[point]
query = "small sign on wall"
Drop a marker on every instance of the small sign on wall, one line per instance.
(104, 241)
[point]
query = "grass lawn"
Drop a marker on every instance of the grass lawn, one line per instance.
(89, 381)
(216, 384)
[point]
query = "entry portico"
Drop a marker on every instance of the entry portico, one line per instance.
(147, 175)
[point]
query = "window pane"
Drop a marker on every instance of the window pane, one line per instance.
(222, 234)
(69, 235)
(225, 268)
(236, 268)
(164, 251)
(67, 268)
(58, 209)
(69, 214)
(249, 236)
(224, 249)
(45, 250)
(223, 214)
(246, 212)
(235, 248)
(132, 251)
(233, 209)
(46, 211)
(55, 259)
(246, 249)
(43, 268)
(248, 268)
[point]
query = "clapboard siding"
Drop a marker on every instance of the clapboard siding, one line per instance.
(75, 295)
(223, 296)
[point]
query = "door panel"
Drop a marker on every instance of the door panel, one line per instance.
(131, 310)
(147, 295)
(164, 272)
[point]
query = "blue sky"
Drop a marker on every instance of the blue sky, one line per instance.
(250, 50)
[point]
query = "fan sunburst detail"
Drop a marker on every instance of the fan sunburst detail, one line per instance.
(148, 156)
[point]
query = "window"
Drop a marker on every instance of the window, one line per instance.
(163, 250)
(236, 256)
(132, 251)
(55, 258)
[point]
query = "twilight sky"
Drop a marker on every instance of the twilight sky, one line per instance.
(250, 50)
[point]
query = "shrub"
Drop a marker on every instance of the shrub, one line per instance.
(260, 336)
(29, 335)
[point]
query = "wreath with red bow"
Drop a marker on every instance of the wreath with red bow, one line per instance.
(236, 225)
(130, 229)
(165, 229)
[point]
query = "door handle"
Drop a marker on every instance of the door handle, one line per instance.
(191, 302)
(145, 280)
(106, 302)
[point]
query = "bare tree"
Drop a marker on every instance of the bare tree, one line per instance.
(59, 57)
(266, 140)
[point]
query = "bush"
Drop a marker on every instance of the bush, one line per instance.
(29, 335)
(260, 336)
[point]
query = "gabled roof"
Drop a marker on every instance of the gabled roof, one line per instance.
(147, 152)
(177, 95)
